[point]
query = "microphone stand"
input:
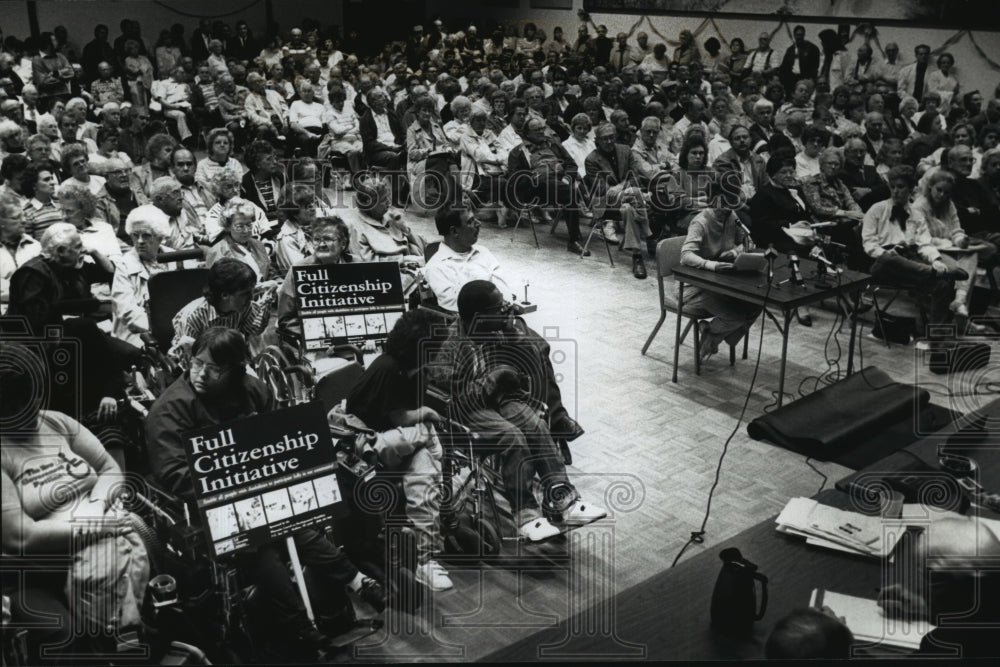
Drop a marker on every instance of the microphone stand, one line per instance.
(796, 277)
(770, 254)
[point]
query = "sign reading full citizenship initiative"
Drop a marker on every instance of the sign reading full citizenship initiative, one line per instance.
(262, 478)
(348, 303)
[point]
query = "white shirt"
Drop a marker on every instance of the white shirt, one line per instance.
(385, 135)
(447, 271)
(306, 115)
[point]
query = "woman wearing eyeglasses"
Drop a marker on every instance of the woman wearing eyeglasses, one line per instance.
(237, 239)
(214, 391)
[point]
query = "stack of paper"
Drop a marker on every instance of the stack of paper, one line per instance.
(867, 621)
(842, 530)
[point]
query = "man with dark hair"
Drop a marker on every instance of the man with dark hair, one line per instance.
(483, 365)
(801, 60)
(459, 259)
(216, 390)
(96, 52)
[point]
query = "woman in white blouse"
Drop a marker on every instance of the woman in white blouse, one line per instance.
(581, 143)
(305, 117)
(343, 130)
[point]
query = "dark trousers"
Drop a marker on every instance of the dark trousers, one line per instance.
(266, 568)
(914, 274)
(549, 193)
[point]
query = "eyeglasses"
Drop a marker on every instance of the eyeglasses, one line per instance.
(328, 241)
(197, 366)
(241, 226)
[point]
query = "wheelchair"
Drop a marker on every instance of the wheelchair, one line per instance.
(475, 524)
(207, 603)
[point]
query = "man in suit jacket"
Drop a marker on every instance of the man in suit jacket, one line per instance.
(801, 60)
(200, 39)
(382, 134)
(866, 186)
(610, 182)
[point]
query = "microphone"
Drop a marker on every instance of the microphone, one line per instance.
(793, 262)
(817, 254)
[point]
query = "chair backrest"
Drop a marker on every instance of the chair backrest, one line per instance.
(668, 255)
(168, 293)
(336, 385)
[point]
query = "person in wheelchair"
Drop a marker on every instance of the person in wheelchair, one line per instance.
(228, 302)
(482, 365)
(59, 488)
(387, 398)
(217, 389)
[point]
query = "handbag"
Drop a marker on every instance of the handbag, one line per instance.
(108, 577)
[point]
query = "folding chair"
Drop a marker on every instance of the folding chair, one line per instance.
(668, 255)
(595, 223)
(521, 213)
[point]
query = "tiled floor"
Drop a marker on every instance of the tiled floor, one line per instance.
(651, 447)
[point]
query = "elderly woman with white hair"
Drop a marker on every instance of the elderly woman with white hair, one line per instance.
(305, 118)
(431, 158)
(225, 185)
(458, 126)
(237, 239)
(147, 226)
(382, 234)
(12, 137)
(343, 129)
(483, 160)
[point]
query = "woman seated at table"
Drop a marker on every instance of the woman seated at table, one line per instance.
(226, 186)
(896, 236)
(829, 200)
(714, 241)
(147, 226)
(688, 187)
(778, 203)
(937, 209)
(237, 239)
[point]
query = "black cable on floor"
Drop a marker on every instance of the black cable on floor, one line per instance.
(818, 472)
(698, 536)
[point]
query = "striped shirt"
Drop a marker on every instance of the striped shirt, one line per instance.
(199, 315)
(38, 216)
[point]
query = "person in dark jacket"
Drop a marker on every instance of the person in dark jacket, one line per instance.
(778, 204)
(214, 391)
(801, 60)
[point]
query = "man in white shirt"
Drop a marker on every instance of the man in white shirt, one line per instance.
(460, 259)
(693, 116)
(174, 97)
(763, 59)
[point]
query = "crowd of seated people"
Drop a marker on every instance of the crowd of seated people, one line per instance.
(226, 149)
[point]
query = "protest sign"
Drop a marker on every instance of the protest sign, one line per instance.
(348, 303)
(263, 478)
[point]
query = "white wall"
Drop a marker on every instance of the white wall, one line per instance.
(974, 72)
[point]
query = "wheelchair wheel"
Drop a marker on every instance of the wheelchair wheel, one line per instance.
(474, 537)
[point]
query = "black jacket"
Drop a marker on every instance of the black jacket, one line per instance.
(772, 209)
(808, 65)
(369, 132)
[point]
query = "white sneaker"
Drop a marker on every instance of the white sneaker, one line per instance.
(580, 513)
(610, 233)
(538, 529)
(435, 577)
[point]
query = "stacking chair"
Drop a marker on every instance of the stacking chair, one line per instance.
(522, 214)
(668, 255)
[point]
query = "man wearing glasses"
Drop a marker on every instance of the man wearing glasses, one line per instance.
(117, 200)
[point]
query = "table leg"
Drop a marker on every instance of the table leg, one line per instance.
(784, 357)
(856, 297)
(677, 331)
